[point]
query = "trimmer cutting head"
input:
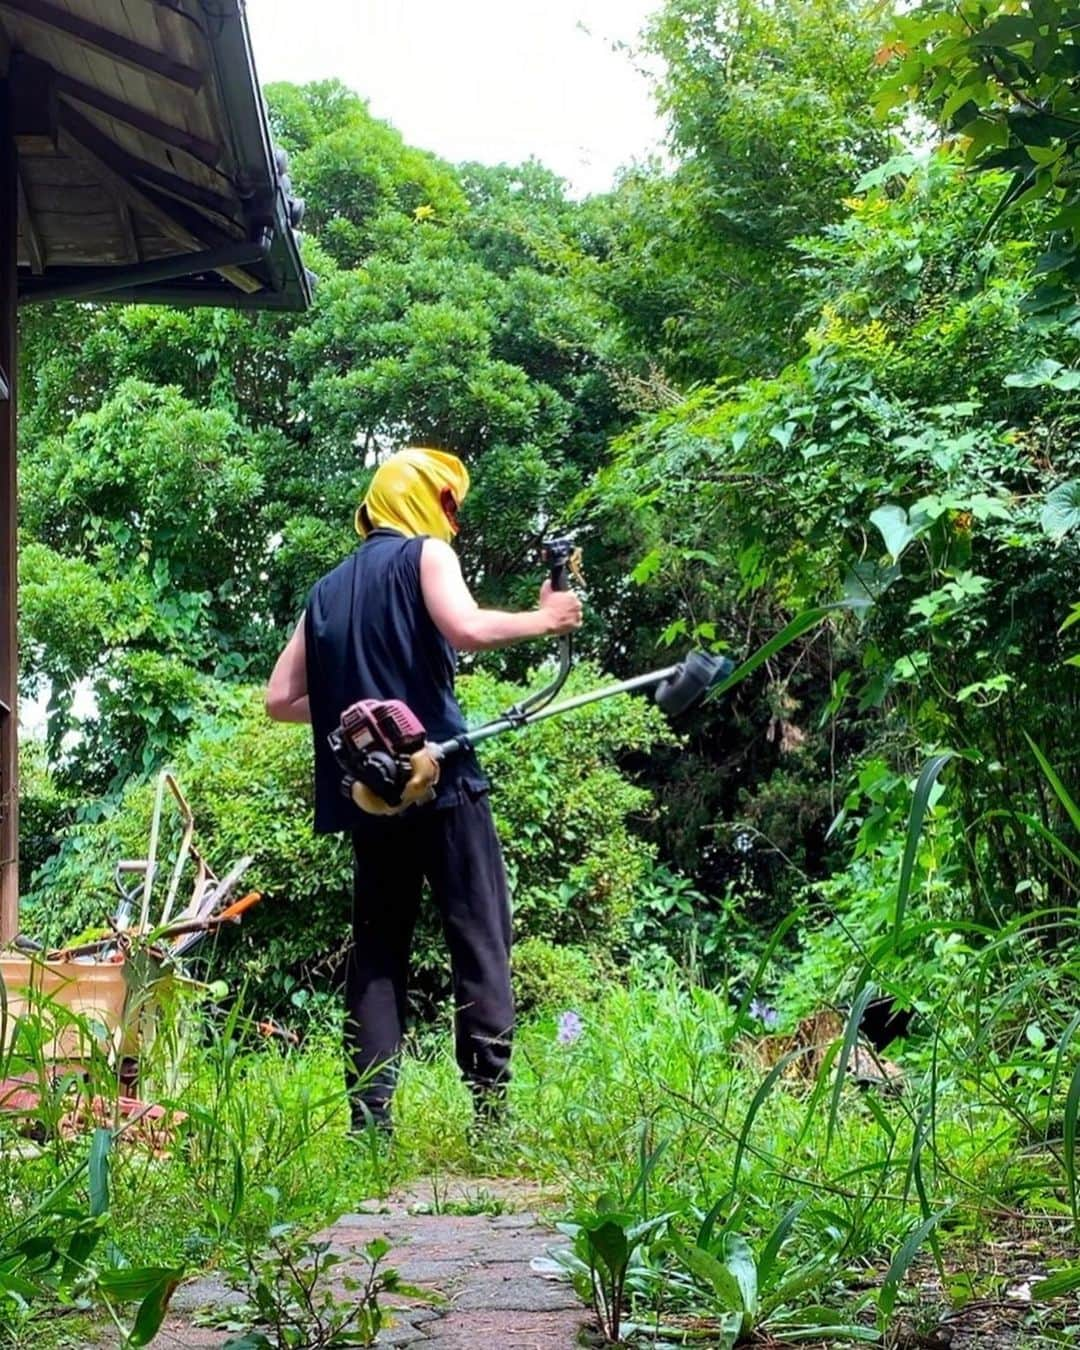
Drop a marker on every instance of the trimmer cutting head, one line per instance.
(700, 672)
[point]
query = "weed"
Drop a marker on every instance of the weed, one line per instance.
(295, 1304)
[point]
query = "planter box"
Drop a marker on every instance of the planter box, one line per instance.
(78, 1006)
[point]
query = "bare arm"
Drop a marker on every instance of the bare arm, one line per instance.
(471, 629)
(287, 693)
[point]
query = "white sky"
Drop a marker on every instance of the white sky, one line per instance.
(492, 80)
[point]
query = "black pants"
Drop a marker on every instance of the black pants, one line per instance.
(457, 851)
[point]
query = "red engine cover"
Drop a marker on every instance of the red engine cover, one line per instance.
(388, 725)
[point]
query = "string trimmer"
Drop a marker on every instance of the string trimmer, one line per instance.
(382, 746)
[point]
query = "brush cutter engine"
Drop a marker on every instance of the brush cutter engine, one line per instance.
(374, 745)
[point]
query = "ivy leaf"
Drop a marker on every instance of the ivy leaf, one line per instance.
(783, 433)
(1044, 374)
(1061, 511)
(897, 533)
(648, 567)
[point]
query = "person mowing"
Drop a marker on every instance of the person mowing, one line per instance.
(388, 624)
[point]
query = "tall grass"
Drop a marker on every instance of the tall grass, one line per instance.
(669, 1100)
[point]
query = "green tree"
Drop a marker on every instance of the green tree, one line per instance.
(767, 107)
(1001, 78)
(145, 568)
(918, 462)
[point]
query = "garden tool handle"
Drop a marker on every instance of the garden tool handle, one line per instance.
(239, 907)
(557, 554)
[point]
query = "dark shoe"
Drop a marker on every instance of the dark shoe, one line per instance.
(370, 1116)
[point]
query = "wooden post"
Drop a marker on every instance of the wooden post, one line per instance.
(9, 755)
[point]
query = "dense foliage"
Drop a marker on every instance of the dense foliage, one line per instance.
(562, 808)
(902, 438)
(825, 363)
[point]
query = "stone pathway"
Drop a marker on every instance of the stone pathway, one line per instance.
(477, 1262)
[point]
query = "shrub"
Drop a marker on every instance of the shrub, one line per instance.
(563, 809)
(44, 808)
(548, 978)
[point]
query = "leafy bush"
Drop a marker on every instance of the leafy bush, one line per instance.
(563, 809)
(707, 936)
(549, 978)
(45, 808)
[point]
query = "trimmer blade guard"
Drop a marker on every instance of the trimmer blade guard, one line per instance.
(700, 672)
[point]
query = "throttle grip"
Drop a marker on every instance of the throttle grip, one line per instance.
(557, 553)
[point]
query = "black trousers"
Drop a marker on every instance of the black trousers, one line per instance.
(456, 850)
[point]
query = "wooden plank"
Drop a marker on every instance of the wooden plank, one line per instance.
(109, 43)
(127, 233)
(29, 231)
(194, 113)
(129, 193)
(169, 164)
(9, 749)
(143, 204)
(142, 121)
(131, 166)
(33, 106)
(141, 91)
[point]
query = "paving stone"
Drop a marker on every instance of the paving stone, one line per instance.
(416, 1315)
(479, 1289)
(522, 1246)
(361, 1227)
(512, 1286)
(421, 1269)
(403, 1330)
(478, 1330)
(176, 1334)
(508, 1194)
(206, 1293)
(503, 1221)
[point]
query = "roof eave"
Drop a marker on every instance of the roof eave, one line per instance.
(254, 154)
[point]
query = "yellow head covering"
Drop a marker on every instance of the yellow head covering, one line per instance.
(406, 493)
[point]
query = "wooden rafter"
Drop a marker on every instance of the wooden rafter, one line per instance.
(29, 231)
(130, 166)
(88, 34)
(142, 121)
(33, 107)
(144, 204)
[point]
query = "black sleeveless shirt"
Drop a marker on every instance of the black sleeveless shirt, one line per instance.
(368, 634)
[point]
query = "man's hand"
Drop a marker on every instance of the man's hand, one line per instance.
(561, 608)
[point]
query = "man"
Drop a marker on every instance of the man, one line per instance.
(388, 623)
